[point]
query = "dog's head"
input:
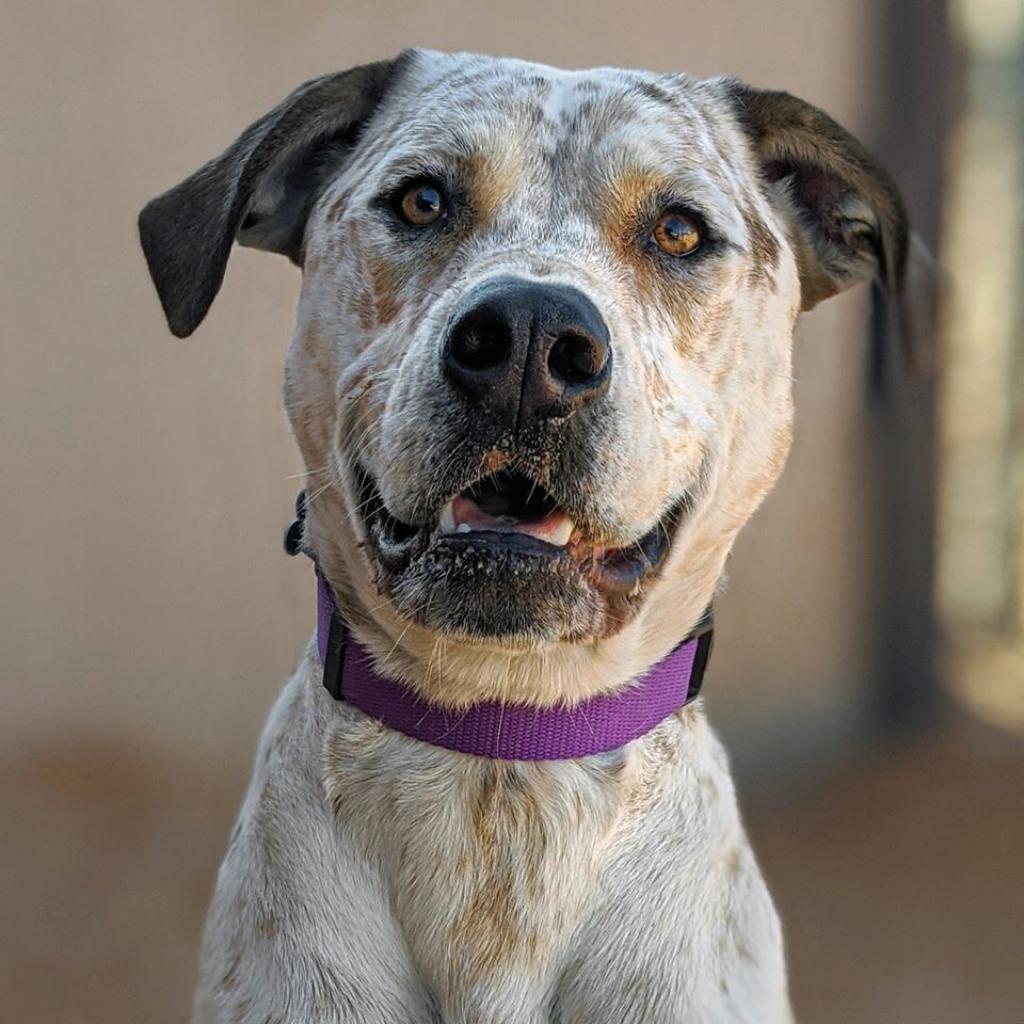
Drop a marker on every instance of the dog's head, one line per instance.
(541, 371)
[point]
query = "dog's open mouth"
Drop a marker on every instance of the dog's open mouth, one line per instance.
(509, 503)
(506, 528)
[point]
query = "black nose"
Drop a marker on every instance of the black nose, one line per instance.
(526, 351)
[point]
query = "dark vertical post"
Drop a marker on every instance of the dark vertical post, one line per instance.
(914, 66)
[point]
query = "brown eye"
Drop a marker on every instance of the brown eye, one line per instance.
(422, 204)
(677, 234)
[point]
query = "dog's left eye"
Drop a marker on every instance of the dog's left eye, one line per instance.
(422, 204)
(677, 233)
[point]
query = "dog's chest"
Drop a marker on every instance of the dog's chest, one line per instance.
(489, 866)
(571, 891)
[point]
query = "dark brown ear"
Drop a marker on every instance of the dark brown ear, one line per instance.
(259, 190)
(850, 219)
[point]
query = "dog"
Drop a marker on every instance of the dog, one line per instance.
(540, 378)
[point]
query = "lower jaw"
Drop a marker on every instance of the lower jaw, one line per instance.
(513, 594)
(460, 591)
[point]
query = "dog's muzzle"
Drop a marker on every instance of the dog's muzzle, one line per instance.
(504, 538)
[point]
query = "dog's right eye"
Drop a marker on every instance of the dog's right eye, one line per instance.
(677, 233)
(421, 204)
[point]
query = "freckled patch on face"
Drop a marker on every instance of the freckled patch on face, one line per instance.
(576, 119)
(315, 348)
(709, 350)
(383, 289)
(493, 180)
(579, 126)
(454, 81)
(598, 119)
(714, 124)
(653, 91)
(360, 292)
(534, 117)
(686, 307)
(336, 210)
(532, 101)
(722, 373)
(365, 308)
(657, 387)
(387, 290)
(764, 248)
(309, 374)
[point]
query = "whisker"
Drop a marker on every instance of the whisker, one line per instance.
(326, 468)
(424, 289)
(401, 637)
(313, 495)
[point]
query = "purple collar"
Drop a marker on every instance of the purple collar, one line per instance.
(509, 732)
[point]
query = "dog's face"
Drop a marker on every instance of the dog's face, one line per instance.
(559, 320)
(541, 370)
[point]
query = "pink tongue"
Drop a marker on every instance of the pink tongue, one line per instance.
(467, 511)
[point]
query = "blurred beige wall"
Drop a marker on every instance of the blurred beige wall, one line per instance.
(146, 481)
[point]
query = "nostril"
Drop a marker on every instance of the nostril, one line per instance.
(576, 358)
(480, 343)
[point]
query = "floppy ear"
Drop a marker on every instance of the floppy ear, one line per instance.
(850, 219)
(259, 190)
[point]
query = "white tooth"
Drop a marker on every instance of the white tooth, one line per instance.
(447, 519)
(463, 528)
(561, 536)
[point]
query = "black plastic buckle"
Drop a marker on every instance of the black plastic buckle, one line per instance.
(293, 535)
(704, 634)
(700, 663)
(334, 658)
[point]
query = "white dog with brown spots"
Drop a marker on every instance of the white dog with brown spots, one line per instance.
(540, 378)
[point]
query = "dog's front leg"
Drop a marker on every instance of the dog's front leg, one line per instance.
(300, 928)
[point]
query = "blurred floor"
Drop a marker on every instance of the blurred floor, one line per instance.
(900, 885)
(107, 869)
